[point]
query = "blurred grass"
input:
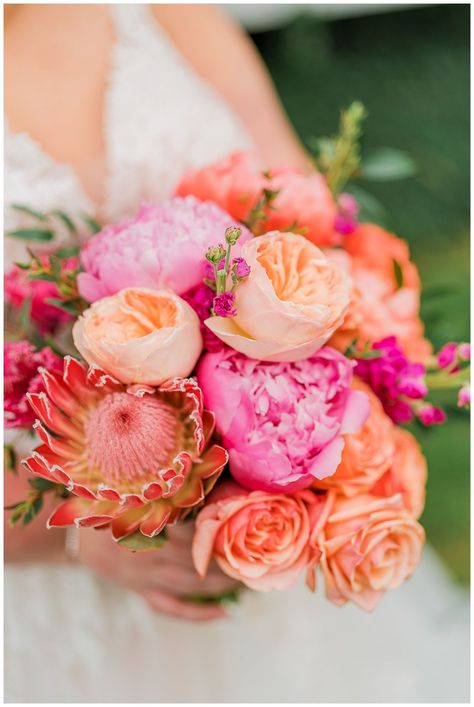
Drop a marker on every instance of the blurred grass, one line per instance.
(411, 69)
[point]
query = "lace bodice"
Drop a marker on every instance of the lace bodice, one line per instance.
(160, 119)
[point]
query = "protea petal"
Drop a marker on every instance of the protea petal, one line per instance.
(134, 457)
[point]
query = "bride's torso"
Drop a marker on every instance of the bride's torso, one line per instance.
(148, 117)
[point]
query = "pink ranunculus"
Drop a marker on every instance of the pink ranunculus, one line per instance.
(21, 362)
(19, 288)
(289, 305)
(162, 247)
(235, 183)
(368, 545)
(258, 538)
(282, 423)
(140, 336)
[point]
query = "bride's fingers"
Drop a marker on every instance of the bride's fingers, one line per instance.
(185, 580)
(168, 604)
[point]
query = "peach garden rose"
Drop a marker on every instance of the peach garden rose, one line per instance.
(368, 545)
(258, 538)
(140, 336)
(290, 304)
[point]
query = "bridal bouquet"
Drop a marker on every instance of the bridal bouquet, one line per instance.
(244, 355)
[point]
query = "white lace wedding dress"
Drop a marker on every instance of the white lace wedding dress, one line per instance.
(71, 637)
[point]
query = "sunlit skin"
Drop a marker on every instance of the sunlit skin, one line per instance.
(44, 46)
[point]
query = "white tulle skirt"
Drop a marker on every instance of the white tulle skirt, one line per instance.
(71, 637)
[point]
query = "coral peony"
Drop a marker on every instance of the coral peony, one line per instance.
(162, 247)
(135, 458)
(258, 538)
(368, 545)
(289, 305)
(20, 363)
(387, 291)
(282, 422)
(367, 453)
(19, 288)
(140, 336)
(407, 474)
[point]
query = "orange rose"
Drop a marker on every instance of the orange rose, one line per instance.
(368, 545)
(386, 295)
(367, 453)
(407, 474)
(258, 538)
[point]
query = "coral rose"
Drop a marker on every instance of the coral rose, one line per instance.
(162, 247)
(237, 183)
(304, 203)
(282, 423)
(140, 336)
(368, 545)
(367, 454)
(234, 183)
(386, 301)
(257, 538)
(290, 304)
(407, 474)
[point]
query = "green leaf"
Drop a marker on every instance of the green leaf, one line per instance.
(29, 211)
(67, 221)
(67, 252)
(40, 484)
(10, 458)
(387, 164)
(69, 306)
(139, 542)
(25, 315)
(398, 273)
(230, 596)
(55, 264)
(91, 223)
(34, 508)
(32, 234)
(23, 266)
(46, 276)
(371, 209)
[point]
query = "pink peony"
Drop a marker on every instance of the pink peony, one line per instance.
(282, 422)
(21, 362)
(162, 247)
(19, 288)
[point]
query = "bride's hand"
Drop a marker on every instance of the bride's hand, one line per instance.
(162, 577)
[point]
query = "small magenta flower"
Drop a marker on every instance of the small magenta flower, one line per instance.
(223, 305)
(464, 352)
(346, 219)
(240, 268)
(453, 353)
(464, 397)
(431, 415)
(412, 383)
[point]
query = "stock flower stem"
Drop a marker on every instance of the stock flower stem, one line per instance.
(442, 381)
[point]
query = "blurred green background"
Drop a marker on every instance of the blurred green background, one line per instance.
(411, 70)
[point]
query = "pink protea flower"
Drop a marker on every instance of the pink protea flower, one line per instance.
(162, 247)
(283, 423)
(135, 458)
(21, 362)
(19, 288)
